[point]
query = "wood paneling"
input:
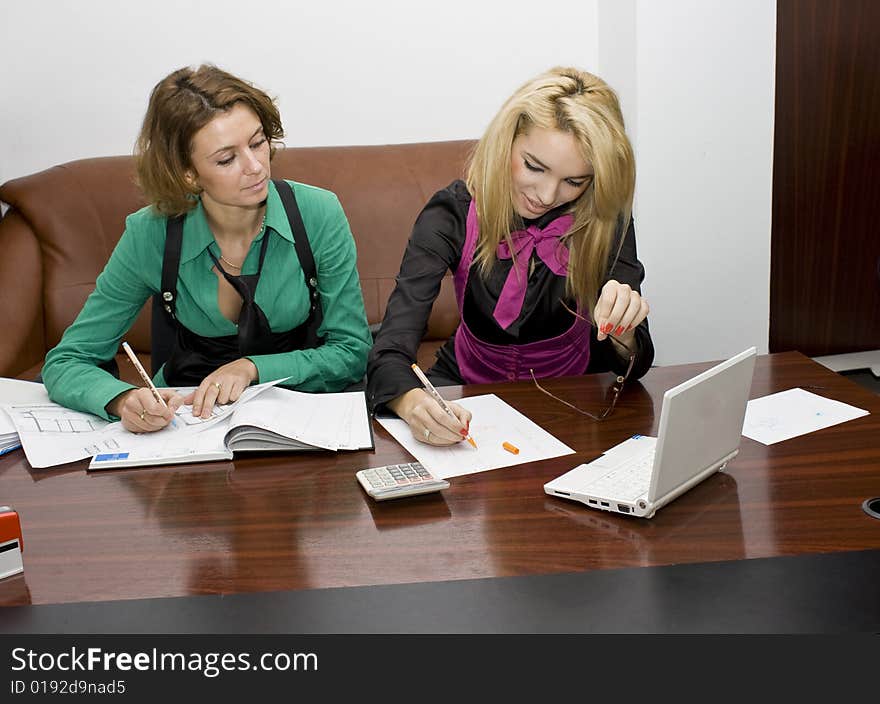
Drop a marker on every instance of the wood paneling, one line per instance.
(825, 253)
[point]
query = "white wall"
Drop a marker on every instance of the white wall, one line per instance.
(617, 44)
(695, 79)
(344, 71)
(705, 73)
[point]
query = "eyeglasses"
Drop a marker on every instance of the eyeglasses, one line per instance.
(613, 392)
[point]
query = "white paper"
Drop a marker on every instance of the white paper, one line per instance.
(493, 423)
(18, 391)
(787, 414)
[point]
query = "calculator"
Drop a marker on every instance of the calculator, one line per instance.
(394, 481)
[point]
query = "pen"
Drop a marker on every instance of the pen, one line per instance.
(429, 387)
(143, 372)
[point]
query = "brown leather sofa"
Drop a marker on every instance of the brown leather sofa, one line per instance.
(62, 224)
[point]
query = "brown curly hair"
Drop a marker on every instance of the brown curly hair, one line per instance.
(180, 105)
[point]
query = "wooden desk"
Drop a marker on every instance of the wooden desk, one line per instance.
(300, 521)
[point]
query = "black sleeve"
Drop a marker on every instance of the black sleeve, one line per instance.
(626, 269)
(434, 248)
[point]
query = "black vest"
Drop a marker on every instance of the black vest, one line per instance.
(189, 358)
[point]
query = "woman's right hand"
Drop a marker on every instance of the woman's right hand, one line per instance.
(427, 421)
(140, 412)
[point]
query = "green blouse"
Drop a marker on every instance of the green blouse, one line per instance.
(134, 273)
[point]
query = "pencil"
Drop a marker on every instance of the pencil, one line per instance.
(429, 387)
(143, 372)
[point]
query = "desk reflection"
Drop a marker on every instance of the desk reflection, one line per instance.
(634, 412)
(408, 511)
(703, 523)
(15, 590)
(276, 522)
(238, 530)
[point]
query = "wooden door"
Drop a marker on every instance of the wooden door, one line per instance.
(825, 250)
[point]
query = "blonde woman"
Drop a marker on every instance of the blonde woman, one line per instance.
(542, 247)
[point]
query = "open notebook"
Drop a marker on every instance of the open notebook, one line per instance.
(276, 419)
(701, 424)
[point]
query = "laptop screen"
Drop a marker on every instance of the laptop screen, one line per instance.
(701, 423)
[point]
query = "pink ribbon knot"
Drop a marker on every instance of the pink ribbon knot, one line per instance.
(551, 251)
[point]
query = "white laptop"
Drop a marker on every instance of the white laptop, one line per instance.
(701, 423)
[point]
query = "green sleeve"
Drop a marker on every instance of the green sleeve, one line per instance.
(342, 359)
(70, 372)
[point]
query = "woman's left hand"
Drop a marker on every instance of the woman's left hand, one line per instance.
(224, 385)
(619, 311)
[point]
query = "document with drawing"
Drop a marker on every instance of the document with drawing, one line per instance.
(794, 412)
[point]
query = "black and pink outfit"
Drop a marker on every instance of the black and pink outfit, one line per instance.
(511, 321)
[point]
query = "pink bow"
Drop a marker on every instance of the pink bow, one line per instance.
(551, 252)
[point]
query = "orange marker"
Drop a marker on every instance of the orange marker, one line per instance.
(510, 448)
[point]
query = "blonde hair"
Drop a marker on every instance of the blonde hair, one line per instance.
(180, 105)
(584, 106)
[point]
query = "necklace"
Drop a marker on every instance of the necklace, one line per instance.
(229, 263)
(238, 266)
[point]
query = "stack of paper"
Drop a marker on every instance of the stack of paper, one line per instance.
(8, 435)
(16, 391)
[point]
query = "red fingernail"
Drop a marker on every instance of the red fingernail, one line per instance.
(607, 328)
(619, 330)
(463, 432)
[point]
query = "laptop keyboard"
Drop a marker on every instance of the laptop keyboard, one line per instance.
(626, 482)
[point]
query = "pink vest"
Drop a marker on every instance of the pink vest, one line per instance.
(481, 362)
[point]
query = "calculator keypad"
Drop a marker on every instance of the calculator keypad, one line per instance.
(397, 475)
(397, 480)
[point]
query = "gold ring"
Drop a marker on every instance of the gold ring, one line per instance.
(427, 433)
(143, 413)
(218, 385)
